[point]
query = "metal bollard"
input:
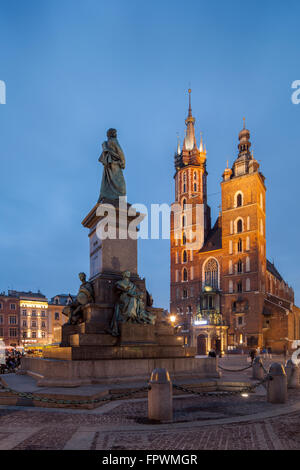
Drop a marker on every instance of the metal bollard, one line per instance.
(277, 384)
(292, 373)
(160, 396)
(257, 368)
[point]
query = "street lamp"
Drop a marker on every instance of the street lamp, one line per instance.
(172, 319)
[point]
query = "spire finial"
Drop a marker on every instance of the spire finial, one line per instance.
(201, 143)
(178, 143)
(227, 164)
(190, 105)
(244, 123)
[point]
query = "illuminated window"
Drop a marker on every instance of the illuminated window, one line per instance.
(211, 273)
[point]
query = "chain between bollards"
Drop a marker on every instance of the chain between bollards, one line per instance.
(111, 397)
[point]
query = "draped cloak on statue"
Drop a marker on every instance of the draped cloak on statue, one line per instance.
(113, 183)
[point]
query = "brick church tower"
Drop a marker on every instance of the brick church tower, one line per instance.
(225, 294)
(190, 218)
(244, 246)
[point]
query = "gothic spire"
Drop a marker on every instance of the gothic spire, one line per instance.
(190, 139)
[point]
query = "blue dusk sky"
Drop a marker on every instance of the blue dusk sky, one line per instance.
(75, 68)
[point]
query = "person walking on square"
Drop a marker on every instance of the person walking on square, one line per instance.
(252, 355)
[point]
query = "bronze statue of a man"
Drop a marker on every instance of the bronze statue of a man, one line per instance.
(85, 296)
(112, 157)
(129, 307)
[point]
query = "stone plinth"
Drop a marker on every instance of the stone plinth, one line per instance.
(66, 373)
(133, 334)
(112, 255)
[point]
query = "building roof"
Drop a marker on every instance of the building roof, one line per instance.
(214, 238)
(62, 299)
(271, 268)
(27, 295)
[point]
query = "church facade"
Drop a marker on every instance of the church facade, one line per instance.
(225, 294)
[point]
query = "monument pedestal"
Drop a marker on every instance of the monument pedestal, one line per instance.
(88, 353)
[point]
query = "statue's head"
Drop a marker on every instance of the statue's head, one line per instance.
(111, 133)
(126, 274)
(82, 277)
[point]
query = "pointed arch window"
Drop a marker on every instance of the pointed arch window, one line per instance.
(183, 221)
(184, 239)
(211, 273)
(184, 203)
(239, 200)
(184, 257)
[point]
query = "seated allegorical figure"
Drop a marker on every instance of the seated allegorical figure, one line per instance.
(85, 296)
(130, 306)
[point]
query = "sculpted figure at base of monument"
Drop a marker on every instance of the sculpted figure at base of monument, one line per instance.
(85, 296)
(130, 306)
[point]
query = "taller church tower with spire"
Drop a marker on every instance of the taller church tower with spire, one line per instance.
(190, 218)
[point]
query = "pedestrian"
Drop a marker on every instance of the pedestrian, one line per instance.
(270, 352)
(252, 355)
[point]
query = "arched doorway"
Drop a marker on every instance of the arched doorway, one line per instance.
(201, 345)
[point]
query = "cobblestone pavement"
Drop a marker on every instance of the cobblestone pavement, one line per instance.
(123, 425)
